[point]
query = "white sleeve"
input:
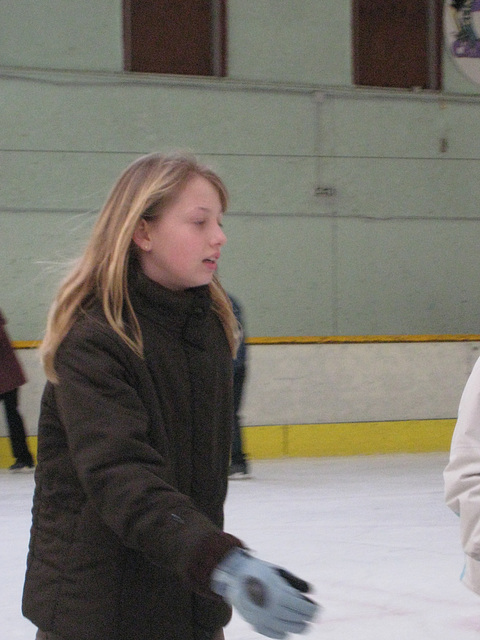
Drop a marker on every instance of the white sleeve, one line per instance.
(462, 473)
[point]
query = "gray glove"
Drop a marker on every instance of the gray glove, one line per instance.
(269, 598)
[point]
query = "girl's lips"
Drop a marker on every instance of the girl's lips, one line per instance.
(210, 263)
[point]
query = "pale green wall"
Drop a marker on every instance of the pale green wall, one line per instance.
(61, 34)
(298, 41)
(395, 251)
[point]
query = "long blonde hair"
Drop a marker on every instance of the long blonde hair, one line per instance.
(148, 184)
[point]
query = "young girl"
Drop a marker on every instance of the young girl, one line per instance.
(135, 428)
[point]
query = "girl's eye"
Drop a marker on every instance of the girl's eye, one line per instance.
(199, 222)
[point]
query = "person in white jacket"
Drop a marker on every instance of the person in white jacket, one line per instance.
(462, 477)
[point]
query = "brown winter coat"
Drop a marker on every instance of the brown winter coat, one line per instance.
(11, 373)
(132, 475)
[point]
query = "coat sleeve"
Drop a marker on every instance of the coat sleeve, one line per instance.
(462, 473)
(126, 478)
(12, 375)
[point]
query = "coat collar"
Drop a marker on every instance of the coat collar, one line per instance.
(183, 312)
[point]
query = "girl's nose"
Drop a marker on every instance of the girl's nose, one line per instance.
(220, 237)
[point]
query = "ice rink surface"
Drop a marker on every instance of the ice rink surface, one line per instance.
(371, 533)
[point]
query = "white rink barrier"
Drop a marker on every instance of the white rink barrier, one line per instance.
(328, 383)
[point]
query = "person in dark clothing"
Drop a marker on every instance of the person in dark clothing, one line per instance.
(12, 378)
(134, 435)
(239, 467)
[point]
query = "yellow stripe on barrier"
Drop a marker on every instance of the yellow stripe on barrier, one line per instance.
(34, 344)
(6, 458)
(326, 440)
(363, 339)
(347, 439)
(26, 344)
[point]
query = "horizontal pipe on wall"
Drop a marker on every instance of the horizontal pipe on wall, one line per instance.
(318, 91)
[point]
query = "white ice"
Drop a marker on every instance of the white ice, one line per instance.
(371, 534)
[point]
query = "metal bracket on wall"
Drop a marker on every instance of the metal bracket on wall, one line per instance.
(325, 192)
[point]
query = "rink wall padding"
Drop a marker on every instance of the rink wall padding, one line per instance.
(320, 396)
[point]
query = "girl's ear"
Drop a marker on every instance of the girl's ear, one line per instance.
(141, 235)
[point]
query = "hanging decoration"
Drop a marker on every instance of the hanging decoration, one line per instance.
(461, 24)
